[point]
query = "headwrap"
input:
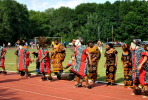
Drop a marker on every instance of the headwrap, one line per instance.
(43, 42)
(111, 45)
(89, 41)
(20, 42)
(125, 47)
(136, 42)
(144, 47)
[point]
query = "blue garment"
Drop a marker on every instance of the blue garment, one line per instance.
(136, 58)
(65, 42)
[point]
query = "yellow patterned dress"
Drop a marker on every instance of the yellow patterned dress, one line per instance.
(110, 68)
(93, 70)
(57, 57)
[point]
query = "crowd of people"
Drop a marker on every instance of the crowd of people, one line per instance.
(84, 62)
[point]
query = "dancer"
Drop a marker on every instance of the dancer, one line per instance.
(126, 59)
(44, 58)
(2, 59)
(81, 63)
(23, 58)
(35, 54)
(95, 57)
(57, 57)
(110, 64)
(139, 63)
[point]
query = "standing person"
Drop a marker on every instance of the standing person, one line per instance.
(35, 54)
(31, 44)
(23, 58)
(52, 44)
(57, 57)
(15, 45)
(26, 44)
(126, 59)
(81, 63)
(99, 45)
(110, 64)
(139, 63)
(9, 44)
(3, 44)
(95, 57)
(2, 59)
(44, 58)
(65, 43)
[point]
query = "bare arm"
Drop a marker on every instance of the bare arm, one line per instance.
(115, 59)
(43, 57)
(89, 57)
(144, 60)
(3, 54)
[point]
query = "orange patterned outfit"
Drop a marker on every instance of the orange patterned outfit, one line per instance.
(111, 68)
(57, 58)
(93, 70)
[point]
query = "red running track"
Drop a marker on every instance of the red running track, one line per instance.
(12, 87)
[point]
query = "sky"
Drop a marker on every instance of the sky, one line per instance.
(42, 5)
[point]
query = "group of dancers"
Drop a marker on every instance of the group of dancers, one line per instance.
(84, 62)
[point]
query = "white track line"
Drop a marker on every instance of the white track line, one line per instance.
(6, 98)
(36, 93)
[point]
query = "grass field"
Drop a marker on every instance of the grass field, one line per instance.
(10, 63)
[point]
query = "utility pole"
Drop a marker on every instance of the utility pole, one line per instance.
(99, 32)
(112, 34)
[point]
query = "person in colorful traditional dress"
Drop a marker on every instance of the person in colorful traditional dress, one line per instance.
(145, 48)
(139, 67)
(95, 57)
(44, 58)
(110, 64)
(126, 59)
(57, 57)
(23, 58)
(81, 63)
(2, 59)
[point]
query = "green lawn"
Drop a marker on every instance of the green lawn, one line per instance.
(10, 63)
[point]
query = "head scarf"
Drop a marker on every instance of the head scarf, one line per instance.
(125, 47)
(89, 41)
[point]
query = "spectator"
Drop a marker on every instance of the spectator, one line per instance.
(99, 45)
(9, 44)
(32, 44)
(26, 44)
(65, 43)
(15, 45)
(3, 44)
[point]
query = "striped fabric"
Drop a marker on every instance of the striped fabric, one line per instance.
(81, 63)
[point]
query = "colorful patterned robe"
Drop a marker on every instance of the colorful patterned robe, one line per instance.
(110, 68)
(93, 70)
(57, 58)
(45, 64)
(81, 63)
(2, 60)
(139, 77)
(127, 59)
(23, 59)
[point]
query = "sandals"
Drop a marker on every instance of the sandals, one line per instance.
(87, 86)
(49, 79)
(28, 75)
(78, 85)
(43, 78)
(4, 72)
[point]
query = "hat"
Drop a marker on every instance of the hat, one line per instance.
(81, 40)
(136, 42)
(43, 42)
(20, 42)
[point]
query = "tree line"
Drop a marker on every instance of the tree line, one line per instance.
(127, 17)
